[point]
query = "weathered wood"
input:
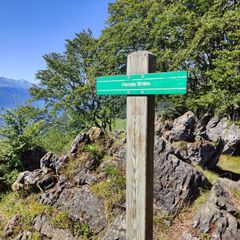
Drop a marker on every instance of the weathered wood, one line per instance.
(140, 145)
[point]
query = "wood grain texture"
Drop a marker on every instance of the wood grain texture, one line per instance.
(140, 146)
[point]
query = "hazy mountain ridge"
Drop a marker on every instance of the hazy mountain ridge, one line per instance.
(13, 92)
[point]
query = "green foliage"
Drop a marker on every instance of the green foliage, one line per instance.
(68, 84)
(61, 138)
(202, 37)
(18, 134)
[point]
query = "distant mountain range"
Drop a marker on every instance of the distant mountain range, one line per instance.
(13, 92)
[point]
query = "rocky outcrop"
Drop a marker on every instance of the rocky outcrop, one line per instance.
(176, 183)
(82, 205)
(9, 228)
(51, 196)
(217, 130)
(183, 128)
(65, 182)
(201, 152)
(39, 179)
(51, 160)
(218, 217)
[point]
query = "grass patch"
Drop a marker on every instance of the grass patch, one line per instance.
(119, 124)
(211, 176)
(162, 226)
(111, 190)
(62, 220)
(230, 163)
(203, 197)
(27, 209)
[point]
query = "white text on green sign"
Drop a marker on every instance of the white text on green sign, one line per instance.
(145, 84)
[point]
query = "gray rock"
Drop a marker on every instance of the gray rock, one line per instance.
(188, 236)
(77, 141)
(183, 128)
(202, 124)
(51, 196)
(117, 230)
(84, 177)
(176, 183)
(231, 137)
(218, 216)
(201, 152)
(42, 224)
(84, 206)
(51, 160)
(217, 130)
(38, 179)
(24, 235)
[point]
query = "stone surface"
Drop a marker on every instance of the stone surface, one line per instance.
(77, 141)
(183, 128)
(188, 236)
(51, 160)
(176, 183)
(117, 230)
(42, 225)
(84, 177)
(82, 205)
(37, 180)
(51, 196)
(217, 130)
(204, 153)
(218, 216)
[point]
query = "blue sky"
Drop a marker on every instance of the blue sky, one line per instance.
(31, 28)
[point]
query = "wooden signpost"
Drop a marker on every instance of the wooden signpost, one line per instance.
(140, 85)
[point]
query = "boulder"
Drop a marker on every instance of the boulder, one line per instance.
(176, 183)
(84, 177)
(214, 128)
(183, 128)
(202, 124)
(218, 217)
(83, 206)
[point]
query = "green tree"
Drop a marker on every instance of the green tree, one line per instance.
(68, 84)
(200, 36)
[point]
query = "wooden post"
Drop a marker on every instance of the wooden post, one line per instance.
(140, 147)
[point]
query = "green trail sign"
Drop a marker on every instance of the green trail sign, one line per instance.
(143, 84)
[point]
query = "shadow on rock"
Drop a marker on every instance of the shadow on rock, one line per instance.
(227, 174)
